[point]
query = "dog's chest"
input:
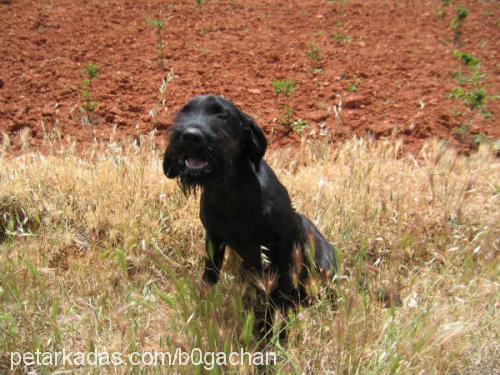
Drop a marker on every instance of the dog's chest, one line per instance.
(236, 223)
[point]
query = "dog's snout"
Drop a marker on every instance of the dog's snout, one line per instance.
(192, 136)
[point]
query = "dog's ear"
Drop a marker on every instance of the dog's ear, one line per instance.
(255, 140)
(170, 165)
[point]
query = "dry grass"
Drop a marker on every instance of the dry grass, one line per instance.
(102, 251)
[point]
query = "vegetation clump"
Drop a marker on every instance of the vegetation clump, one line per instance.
(314, 53)
(457, 22)
(158, 26)
(471, 92)
(89, 105)
(285, 87)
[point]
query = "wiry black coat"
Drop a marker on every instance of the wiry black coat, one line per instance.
(218, 148)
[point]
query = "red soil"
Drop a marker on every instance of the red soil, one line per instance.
(398, 54)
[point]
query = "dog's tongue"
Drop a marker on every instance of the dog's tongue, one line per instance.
(193, 163)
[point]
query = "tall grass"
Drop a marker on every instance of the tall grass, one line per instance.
(102, 251)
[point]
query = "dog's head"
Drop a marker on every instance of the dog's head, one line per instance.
(210, 136)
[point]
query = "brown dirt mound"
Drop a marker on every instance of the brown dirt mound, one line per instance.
(390, 63)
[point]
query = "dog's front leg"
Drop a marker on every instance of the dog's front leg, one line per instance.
(215, 250)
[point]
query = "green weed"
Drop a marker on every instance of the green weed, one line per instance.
(285, 87)
(462, 131)
(299, 125)
(481, 138)
(342, 38)
(353, 85)
(314, 52)
(466, 58)
(457, 22)
(88, 105)
(471, 91)
(474, 99)
(158, 26)
(441, 13)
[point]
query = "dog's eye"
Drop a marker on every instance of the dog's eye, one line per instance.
(187, 108)
(215, 109)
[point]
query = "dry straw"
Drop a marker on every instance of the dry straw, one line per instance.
(101, 250)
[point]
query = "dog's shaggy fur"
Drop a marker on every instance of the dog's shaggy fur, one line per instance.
(216, 147)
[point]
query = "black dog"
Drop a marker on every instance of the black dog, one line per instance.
(218, 148)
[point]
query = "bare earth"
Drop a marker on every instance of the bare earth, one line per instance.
(389, 62)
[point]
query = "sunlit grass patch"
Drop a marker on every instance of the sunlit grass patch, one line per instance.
(102, 251)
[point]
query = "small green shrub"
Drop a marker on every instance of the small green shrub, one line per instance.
(342, 38)
(472, 94)
(457, 22)
(441, 9)
(474, 99)
(314, 52)
(462, 131)
(353, 85)
(285, 87)
(467, 59)
(440, 13)
(158, 26)
(460, 77)
(471, 91)
(481, 138)
(88, 105)
(299, 125)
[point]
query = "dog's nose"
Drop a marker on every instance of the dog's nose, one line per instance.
(192, 136)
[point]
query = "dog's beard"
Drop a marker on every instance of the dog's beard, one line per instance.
(219, 170)
(215, 173)
(218, 163)
(190, 183)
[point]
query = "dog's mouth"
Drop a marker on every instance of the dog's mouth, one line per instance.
(195, 164)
